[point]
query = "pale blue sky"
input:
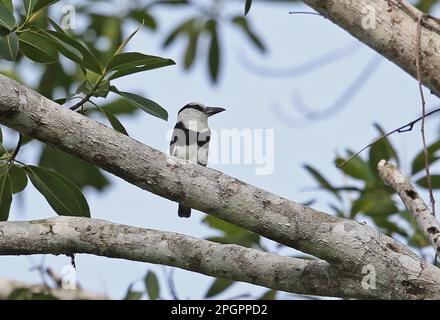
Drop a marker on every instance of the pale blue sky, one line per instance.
(389, 98)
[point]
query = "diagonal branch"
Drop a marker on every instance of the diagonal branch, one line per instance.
(64, 235)
(345, 244)
(426, 221)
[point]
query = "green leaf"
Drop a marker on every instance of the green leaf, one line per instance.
(388, 226)
(356, 168)
(152, 285)
(9, 47)
(18, 178)
(247, 7)
(29, 6)
(127, 40)
(120, 106)
(243, 24)
(191, 50)
(144, 104)
(84, 175)
(133, 295)
(179, 30)
(435, 181)
(218, 286)
(214, 50)
(269, 295)
(418, 163)
(38, 47)
(8, 4)
(7, 20)
(5, 197)
(114, 122)
(143, 16)
(62, 195)
(322, 181)
(134, 62)
(381, 150)
(374, 203)
(74, 50)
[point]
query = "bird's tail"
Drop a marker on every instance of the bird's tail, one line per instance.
(184, 212)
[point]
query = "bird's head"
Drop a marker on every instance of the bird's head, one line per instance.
(197, 111)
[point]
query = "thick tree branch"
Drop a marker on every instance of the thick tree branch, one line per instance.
(390, 28)
(347, 245)
(65, 235)
(426, 221)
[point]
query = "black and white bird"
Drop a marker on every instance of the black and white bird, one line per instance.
(191, 136)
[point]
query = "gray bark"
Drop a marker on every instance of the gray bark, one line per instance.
(66, 235)
(426, 221)
(347, 245)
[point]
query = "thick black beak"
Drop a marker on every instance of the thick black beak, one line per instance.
(210, 111)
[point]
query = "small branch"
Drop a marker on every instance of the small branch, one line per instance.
(427, 222)
(405, 128)
(17, 149)
(423, 102)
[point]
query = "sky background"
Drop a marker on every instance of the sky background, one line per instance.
(390, 97)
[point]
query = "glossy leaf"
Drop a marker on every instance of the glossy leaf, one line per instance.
(74, 50)
(38, 47)
(134, 62)
(84, 175)
(152, 285)
(5, 197)
(18, 178)
(8, 4)
(114, 122)
(9, 47)
(145, 104)
(7, 20)
(63, 196)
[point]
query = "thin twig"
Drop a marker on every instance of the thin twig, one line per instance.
(17, 149)
(405, 128)
(422, 98)
(305, 12)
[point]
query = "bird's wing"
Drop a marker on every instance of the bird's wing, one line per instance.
(179, 138)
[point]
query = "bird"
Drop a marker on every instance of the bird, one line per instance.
(191, 137)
